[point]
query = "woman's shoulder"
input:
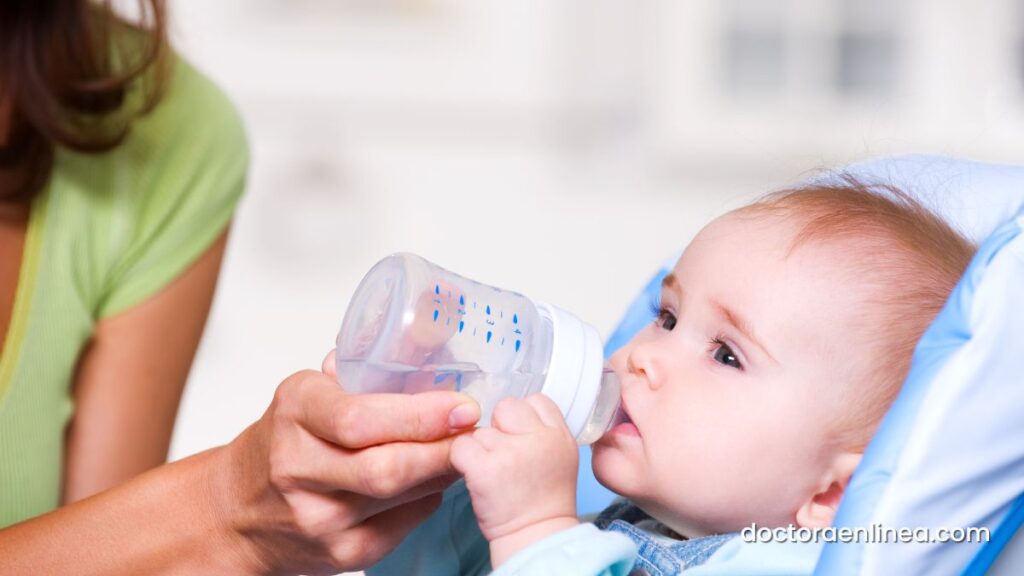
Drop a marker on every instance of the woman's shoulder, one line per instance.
(148, 208)
(193, 134)
(192, 118)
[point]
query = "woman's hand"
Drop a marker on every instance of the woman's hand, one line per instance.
(323, 482)
(327, 481)
(521, 474)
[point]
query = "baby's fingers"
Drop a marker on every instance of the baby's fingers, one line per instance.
(548, 412)
(466, 452)
(515, 416)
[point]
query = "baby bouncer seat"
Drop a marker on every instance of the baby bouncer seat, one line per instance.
(947, 462)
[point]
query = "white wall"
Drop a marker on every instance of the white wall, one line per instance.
(561, 148)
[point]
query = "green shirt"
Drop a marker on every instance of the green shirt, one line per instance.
(108, 232)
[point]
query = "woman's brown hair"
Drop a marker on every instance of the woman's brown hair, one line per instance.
(72, 73)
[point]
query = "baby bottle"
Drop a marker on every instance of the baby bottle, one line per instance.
(412, 326)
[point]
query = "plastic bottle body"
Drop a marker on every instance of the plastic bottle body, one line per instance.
(412, 326)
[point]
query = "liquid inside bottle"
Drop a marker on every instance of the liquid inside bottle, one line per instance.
(412, 326)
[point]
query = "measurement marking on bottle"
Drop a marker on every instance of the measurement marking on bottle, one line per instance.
(436, 312)
(488, 336)
(502, 340)
(488, 309)
(437, 288)
(462, 300)
(515, 318)
(518, 343)
(461, 326)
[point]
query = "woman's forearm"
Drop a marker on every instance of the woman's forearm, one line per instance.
(324, 482)
(129, 381)
(167, 521)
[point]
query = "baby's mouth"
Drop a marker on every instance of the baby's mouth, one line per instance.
(624, 418)
(623, 422)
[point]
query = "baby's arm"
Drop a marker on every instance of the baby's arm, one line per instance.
(521, 476)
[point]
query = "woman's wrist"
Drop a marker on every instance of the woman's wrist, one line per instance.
(508, 545)
(224, 506)
(194, 507)
(251, 520)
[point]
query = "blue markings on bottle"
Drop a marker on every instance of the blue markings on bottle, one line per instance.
(440, 377)
(502, 340)
(462, 300)
(488, 336)
(437, 288)
(515, 318)
(436, 312)
(488, 309)
(501, 314)
(518, 344)
(461, 326)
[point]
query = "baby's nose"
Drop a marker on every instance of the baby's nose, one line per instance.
(641, 365)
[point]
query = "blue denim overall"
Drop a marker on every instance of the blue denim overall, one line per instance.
(657, 555)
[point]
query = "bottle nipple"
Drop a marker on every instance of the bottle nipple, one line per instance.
(607, 411)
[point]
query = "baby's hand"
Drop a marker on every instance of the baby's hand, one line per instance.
(521, 474)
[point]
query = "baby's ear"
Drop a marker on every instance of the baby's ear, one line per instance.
(820, 509)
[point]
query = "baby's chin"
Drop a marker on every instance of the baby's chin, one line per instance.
(615, 471)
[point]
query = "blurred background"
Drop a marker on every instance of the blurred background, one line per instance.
(559, 148)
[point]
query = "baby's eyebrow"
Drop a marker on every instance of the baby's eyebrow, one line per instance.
(670, 282)
(742, 325)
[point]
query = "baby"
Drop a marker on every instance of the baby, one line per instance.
(783, 334)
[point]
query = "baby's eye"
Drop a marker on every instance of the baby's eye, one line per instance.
(666, 320)
(724, 355)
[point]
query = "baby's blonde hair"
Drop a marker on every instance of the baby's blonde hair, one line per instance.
(911, 258)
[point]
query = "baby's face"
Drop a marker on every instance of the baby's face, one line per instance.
(734, 389)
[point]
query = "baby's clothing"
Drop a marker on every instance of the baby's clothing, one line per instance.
(659, 550)
(623, 540)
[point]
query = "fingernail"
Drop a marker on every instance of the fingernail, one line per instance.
(463, 415)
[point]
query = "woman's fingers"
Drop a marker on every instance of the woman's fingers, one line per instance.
(359, 507)
(329, 366)
(382, 472)
(378, 535)
(363, 420)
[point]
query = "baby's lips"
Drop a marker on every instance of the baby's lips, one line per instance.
(620, 417)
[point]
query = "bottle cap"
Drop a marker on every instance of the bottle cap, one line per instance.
(574, 373)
